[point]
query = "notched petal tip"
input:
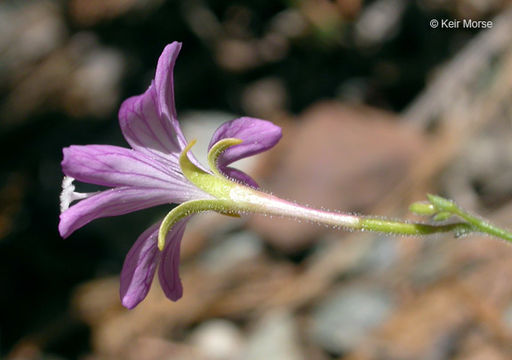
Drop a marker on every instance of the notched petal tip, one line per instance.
(164, 81)
(168, 271)
(64, 230)
(149, 122)
(139, 268)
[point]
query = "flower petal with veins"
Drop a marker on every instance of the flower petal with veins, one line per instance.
(139, 268)
(148, 121)
(112, 202)
(151, 174)
(257, 136)
(168, 272)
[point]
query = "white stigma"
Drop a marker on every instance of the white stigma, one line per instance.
(68, 194)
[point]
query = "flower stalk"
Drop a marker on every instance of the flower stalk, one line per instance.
(157, 168)
(232, 198)
(258, 202)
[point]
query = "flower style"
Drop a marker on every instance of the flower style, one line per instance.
(158, 169)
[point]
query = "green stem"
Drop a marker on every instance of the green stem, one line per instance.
(258, 202)
(483, 226)
(478, 224)
(404, 228)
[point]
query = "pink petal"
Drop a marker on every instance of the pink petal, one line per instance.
(240, 176)
(139, 268)
(113, 202)
(168, 271)
(257, 135)
(116, 166)
(164, 81)
(149, 121)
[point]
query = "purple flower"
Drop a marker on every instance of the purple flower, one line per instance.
(152, 173)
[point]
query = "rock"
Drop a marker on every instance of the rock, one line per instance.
(217, 339)
(507, 316)
(154, 348)
(265, 98)
(274, 338)
(28, 32)
(428, 327)
(433, 263)
(379, 22)
(479, 346)
(381, 255)
(94, 86)
(232, 250)
(347, 317)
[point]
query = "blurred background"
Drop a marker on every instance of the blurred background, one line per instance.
(377, 109)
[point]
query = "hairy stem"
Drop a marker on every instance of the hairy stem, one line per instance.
(478, 224)
(258, 202)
